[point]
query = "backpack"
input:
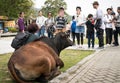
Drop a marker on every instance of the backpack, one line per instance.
(51, 29)
(20, 40)
(73, 26)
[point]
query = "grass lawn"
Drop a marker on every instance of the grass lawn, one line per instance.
(69, 57)
(4, 75)
(72, 57)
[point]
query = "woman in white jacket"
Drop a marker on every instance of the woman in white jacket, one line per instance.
(108, 26)
(40, 21)
(80, 23)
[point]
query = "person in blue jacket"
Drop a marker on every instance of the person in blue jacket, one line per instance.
(73, 27)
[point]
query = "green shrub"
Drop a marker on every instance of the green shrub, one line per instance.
(12, 29)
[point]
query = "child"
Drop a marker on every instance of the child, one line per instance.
(60, 21)
(90, 30)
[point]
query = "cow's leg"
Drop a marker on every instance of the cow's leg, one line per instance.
(13, 74)
(52, 74)
(59, 63)
(56, 72)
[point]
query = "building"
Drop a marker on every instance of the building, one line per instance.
(6, 23)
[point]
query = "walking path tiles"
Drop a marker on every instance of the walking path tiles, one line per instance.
(104, 67)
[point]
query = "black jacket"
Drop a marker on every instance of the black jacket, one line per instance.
(90, 27)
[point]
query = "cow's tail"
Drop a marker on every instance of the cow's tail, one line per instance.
(13, 74)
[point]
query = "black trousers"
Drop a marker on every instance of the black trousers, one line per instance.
(73, 36)
(100, 33)
(79, 37)
(109, 32)
(50, 34)
(116, 32)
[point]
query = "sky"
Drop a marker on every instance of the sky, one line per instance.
(86, 5)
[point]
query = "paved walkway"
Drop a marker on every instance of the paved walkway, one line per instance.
(5, 45)
(103, 67)
(7, 34)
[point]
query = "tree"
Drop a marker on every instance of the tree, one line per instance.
(11, 8)
(53, 6)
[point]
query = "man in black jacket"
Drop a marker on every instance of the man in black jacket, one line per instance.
(99, 26)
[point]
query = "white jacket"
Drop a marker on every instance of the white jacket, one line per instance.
(80, 20)
(40, 21)
(100, 15)
(107, 21)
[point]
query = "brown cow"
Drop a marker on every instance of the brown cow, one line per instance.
(38, 60)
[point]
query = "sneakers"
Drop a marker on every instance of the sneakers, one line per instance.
(107, 45)
(89, 47)
(102, 47)
(116, 44)
(79, 46)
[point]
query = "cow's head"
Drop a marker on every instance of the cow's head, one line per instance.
(62, 40)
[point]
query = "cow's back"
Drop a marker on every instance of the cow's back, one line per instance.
(34, 59)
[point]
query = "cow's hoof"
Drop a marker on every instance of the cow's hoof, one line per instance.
(42, 79)
(60, 63)
(57, 73)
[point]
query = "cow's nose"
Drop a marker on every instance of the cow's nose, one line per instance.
(71, 42)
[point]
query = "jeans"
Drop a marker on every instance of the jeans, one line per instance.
(41, 31)
(80, 29)
(79, 34)
(91, 39)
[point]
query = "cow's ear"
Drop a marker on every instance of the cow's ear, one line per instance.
(67, 33)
